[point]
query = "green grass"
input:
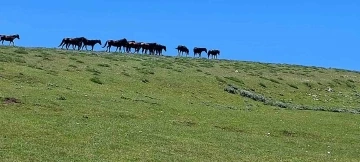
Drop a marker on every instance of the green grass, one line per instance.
(61, 105)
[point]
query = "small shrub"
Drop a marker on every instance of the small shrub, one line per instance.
(350, 85)
(308, 84)
(293, 86)
(337, 81)
(274, 81)
(351, 81)
(198, 70)
(103, 65)
(220, 79)
(96, 80)
(61, 98)
(21, 51)
(254, 96)
(79, 61)
(235, 79)
(93, 70)
(262, 85)
(178, 70)
(72, 58)
(145, 80)
(125, 73)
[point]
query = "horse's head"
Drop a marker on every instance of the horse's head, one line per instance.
(163, 47)
(98, 41)
(205, 50)
(17, 36)
(83, 39)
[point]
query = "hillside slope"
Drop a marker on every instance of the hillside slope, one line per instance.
(91, 106)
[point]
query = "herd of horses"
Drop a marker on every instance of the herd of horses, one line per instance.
(126, 45)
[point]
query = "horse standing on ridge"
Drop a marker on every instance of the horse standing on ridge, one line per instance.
(91, 42)
(9, 38)
(213, 53)
(198, 51)
(117, 43)
(181, 49)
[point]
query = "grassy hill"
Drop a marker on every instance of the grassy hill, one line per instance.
(61, 105)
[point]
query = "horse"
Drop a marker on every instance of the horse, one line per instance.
(145, 47)
(65, 41)
(181, 49)
(78, 41)
(198, 51)
(131, 44)
(117, 43)
(91, 42)
(149, 47)
(9, 38)
(213, 53)
(159, 48)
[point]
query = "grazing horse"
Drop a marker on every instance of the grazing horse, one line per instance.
(213, 53)
(117, 43)
(159, 48)
(198, 50)
(181, 49)
(91, 42)
(9, 38)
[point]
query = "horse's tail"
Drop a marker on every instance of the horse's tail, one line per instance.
(62, 42)
(105, 44)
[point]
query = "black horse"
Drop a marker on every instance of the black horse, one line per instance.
(159, 48)
(181, 49)
(72, 41)
(9, 38)
(90, 42)
(117, 43)
(198, 51)
(151, 47)
(65, 41)
(213, 53)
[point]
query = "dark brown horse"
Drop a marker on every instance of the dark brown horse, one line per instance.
(78, 41)
(181, 49)
(213, 53)
(132, 44)
(159, 48)
(144, 47)
(90, 42)
(9, 38)
(198, 51)
(117, 43)
(149, 47)
(65, 41)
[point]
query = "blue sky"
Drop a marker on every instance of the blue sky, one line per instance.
(307, 32)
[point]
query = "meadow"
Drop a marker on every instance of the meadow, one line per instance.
(59, 105)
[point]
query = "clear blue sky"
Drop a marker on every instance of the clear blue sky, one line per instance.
(308, 32)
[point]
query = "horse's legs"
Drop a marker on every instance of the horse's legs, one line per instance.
(92, 48)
